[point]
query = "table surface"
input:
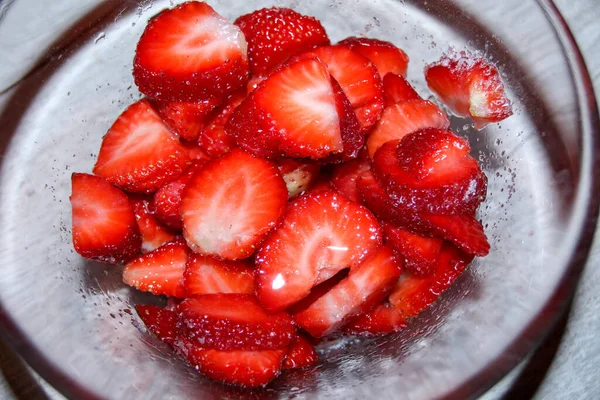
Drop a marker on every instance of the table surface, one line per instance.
(565, 366)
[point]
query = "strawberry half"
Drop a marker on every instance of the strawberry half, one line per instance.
(186, 118)
(298, 176)
(230, 205)
(381, 320)
(321, 234)
(154, 235)
(358, 78)
(396, 89)
(295, 112)
(160, 271)
(167, 199)
(300, 354)
(413, 294)
(470, 86)
(190, 53)
(207, 275)
(403, 118)
(345, 176)
(246, 368)
(386, 57)
(233, 322)
(366, 285)
(275, 34)
(104, 227)
(213, 139)
(420, 254)
(161, 322)
(431, 171)
(139, 154)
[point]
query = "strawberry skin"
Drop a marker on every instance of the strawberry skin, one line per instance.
(275, 34)
(154, 235)
(298, 176)
(420, 254)
(190, 53)
(160, 271)
(230, 205)
(231, 321)
(213, 139)
(104, 226)
(321, 234)
(386, 57)
(381, 320)
(366, 285)
(208, 275)
(139, 154)
(470, 86)
(345, 176)
(403, 118)
(300, 354)
(186, 118)
(161, 322)
(396, 89)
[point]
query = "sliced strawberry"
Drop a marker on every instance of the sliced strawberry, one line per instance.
(295, 112)
(213, 138)
(159, 321)
(153, 233)
(463, 230)
(190, 53)
(104, 227)
(359, 80)
(275, 34)
(207, 275)
(396, 89)
(186, 118)
(160, 271)
(386, 57)
(345, 176)
(321, 234)
(300, 354)
(431, 171)
(318, 291)
(403, 118)
(233, 322)
(381, 320)
(139, 153)
(167, 199)
(231, 204)
(298, 176)
(366, 285)
(420, 254)
(253, 82)
(246, 368)
(413, 294)
(470, 86)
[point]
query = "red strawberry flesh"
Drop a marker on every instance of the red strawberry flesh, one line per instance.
(208, 275)
(161, 322)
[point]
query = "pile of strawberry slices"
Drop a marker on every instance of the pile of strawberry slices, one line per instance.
(279, 189)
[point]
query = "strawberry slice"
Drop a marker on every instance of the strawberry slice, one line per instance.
(154, 235)
(420, 254)
(396, 89)
(359, 80)
(275, 34)
(366, 285)
(296, 112)
(186, 118)
(298, 176)
(386, 57)
(403, 118)
(167, 199)
(139, 154)
(321, 234)
(246, 368)
(104, 227)
(207, 275)
(190, 53)
(345, 176)
(381, 320)
(463, 230)
(470, 86)
(160, 271)
(413, 294)
(300, 354)
(213, 138)
(161, 322)
(230, 205)
(195, 152)
(431, 171)
(233, 322)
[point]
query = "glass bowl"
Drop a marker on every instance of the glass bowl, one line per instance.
(72, 319)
